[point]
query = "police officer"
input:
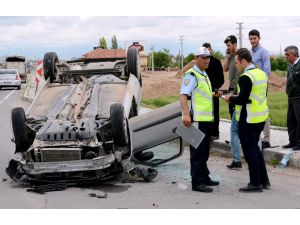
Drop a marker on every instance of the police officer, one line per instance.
(195, 83)
(251, 113)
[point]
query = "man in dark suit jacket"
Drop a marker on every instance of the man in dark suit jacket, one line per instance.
(216, 77)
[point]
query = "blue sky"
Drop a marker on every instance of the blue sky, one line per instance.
(70, 36)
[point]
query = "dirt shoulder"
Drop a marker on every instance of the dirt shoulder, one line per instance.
(162, 83)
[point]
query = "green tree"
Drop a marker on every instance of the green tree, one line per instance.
(274, 64)
(282, 63)
(114, 42)
(278, 63)
(162, 58)
(189, 58)
(167, 51)
(218, 55)
(102, 43)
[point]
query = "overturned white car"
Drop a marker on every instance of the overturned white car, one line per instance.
(84, 124)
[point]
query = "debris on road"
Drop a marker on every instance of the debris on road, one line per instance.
(155, 205)
(4, 179)
(147, 174)
(101, 194)
(285, 159)
(42, 189)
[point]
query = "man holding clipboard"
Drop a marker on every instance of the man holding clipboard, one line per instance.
(196, 87)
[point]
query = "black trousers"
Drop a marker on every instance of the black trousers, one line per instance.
(293, 121)
(249, 136)
(215, 126)
(199, 156)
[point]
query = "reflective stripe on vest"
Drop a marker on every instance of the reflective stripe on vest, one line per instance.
(257, 110)
(202, 101)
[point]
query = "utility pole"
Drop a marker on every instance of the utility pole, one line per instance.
(280, 53)
(181, 50)
(152, 58)
(240, 28)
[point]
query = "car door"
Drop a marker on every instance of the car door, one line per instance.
(154, 132)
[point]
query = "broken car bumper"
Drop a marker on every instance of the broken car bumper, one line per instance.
(98, 163)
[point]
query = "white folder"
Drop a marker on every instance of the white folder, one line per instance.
(191, 134)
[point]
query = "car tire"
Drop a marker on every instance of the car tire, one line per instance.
(19, 87)
(49, 66)
(133, 63)
(118, 125)
(18, 120)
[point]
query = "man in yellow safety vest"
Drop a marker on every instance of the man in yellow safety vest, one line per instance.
(251, 113)
(196, 84)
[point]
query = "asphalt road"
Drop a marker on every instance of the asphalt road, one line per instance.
(171, 189)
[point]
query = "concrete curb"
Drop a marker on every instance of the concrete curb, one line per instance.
(272, 127)
(27, 99)
(224, 149)
(269, 153)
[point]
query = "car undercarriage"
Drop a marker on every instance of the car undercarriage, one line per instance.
(79, 127)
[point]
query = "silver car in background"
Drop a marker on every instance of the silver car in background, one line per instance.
(10, 78)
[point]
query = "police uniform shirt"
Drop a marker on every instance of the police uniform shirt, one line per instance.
(189, 82)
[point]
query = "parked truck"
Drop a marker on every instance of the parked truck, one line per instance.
(18, 63)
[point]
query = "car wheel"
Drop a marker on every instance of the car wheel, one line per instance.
(18, 120)
(118, 125)
(119, 65)
(49, 66)
(19, 87)
(133, 62)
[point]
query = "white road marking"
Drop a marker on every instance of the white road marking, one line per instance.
(7, 96)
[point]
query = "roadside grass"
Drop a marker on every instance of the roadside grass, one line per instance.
(273, 162)
(277, 102)
(159, 102)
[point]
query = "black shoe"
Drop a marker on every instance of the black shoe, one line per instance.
(213, 138)
(267, 185)
(289, 145)
(202, 188)
(296, 148)
(210, 182)
(234, 165)
(251, 188)
(265, 144)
